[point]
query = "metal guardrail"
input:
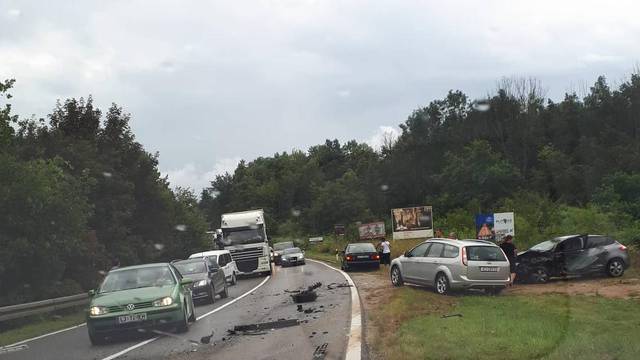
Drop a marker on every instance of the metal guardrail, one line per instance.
(42, 306)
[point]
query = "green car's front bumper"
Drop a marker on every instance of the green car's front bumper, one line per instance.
(157, 318)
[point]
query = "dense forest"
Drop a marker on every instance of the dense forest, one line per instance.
(78, 193)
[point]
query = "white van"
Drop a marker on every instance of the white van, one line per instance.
(226, 263)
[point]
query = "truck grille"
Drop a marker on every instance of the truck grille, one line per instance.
(247, 266)
(138, 305)
(246, 259)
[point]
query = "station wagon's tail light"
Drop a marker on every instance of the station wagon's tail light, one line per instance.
(375, 257)
(623, 248)
(349, 257)
(464, 256)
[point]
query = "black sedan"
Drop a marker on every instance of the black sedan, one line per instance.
(572, 255)
(359, 255)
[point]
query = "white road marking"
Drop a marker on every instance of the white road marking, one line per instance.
(45, 335)
(354, 345)
(143, 343)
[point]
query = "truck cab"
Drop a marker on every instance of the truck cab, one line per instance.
(244, 235)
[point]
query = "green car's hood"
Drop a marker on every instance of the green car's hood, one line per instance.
(124, 297)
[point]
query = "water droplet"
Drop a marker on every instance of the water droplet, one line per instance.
(158, 246)
(384, 187)
(26, 286)
(102, 272)
(53, 222)
(214, 193)
(107, 174)
(481, 105)
(181, 227)
(253, 227)
(295, 212)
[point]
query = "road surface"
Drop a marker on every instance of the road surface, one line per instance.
(267, 302)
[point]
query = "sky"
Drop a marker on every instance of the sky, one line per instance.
(208, 83)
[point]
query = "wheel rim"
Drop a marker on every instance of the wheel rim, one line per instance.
(395, 276)
(615, 268)
(541, 276)
(441, 285)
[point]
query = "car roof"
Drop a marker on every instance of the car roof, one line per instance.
(208, 253)
(141, 266)
(463, 242)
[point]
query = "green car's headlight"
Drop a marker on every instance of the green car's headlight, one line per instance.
(200, 283)
(98, 310)
(166, 301)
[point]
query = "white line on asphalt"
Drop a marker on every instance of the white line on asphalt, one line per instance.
(354, 345)
(45, 335)
(143, 343)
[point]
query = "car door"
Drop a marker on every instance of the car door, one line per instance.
(185, 290)
(596, 253)
(216, 274)
(411, 262)
(223, 263)
(568, 256)
(429, 263)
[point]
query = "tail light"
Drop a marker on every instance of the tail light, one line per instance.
(464, 256)
(349, 257)
(375, 257)
(623, 248)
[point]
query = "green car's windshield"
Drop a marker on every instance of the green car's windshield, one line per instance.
(190, 267)
(137, 278)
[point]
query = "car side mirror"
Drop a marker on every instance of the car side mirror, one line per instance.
(92, 293)
(186, 281)
(407, 254)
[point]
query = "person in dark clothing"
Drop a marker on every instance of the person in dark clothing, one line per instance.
(511, 252)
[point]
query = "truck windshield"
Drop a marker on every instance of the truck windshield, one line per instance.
(243, 236)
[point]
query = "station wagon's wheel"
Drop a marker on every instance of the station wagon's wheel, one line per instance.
(396, 276)
(184, 322)
(615, 267)
(539, 275)
(442, 284)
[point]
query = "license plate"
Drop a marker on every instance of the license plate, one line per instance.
(363, 257)
(488, 269)
(132, 318)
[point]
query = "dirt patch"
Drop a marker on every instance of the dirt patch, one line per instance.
(624, 288)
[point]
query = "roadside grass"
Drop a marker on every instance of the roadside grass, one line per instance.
(505, 327)
(41, 326)
(326, 257)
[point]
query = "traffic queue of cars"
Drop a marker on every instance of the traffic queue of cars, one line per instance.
(158, 296)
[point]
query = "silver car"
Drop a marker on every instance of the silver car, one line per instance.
(449, 264)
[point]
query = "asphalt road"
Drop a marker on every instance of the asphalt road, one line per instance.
(269, 302)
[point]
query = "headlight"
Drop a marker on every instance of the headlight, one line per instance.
(98, 310)
(301, 256)
(200, 283)
(163, 302)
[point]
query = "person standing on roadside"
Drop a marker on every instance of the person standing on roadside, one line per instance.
(385, 258)
(511, 252)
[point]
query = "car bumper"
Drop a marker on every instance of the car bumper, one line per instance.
(292, 262)
(157, 319)
(362, 263)
(200, 292)
(466, 283)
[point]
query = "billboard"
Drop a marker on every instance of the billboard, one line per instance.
(339, 229)
(504, 224)
(316, 239)
(412, 222)
(494, 227)
(374, 230)
(484, 227)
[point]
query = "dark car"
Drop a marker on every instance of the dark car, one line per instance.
(292, 256)
(279, 248)
(572, 255)
(359, 255)
(208, 278)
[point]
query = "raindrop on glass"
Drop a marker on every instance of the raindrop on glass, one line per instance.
(158, 246)
(106, 174)
(295, 212)
(102, 272)
(384, 187)
(214, 193)
(181, 227)
(253, 227)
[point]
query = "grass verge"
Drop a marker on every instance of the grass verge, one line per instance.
(329, 258)
(411, 326)
(41, 327)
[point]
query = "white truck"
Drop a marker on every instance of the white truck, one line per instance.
(244, 234)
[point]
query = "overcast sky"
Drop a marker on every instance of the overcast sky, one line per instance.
(212, 82)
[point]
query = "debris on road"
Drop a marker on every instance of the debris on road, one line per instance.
(338, 285)
(260, 328)
(320, 352)
(451, 315)
(307, 295)
(206, 339)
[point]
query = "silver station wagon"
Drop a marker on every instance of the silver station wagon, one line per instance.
(449, 264)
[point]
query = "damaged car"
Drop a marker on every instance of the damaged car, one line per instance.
(572, 255)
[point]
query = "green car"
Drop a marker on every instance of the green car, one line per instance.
(146, 297)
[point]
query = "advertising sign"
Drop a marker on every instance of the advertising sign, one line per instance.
(504, 225)
(339, 229)
(412, 223)
(373, 230)
(316, 239)
(484, 227)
